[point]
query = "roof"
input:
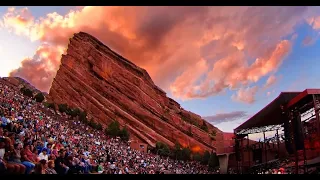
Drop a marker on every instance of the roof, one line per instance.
(302, 95)
(269, 115)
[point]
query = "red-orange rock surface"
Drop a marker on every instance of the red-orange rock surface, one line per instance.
(109, 87)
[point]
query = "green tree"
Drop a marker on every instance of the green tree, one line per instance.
(39, 97)
(92, 124)
(69, 111)
(162, 149)
(197, 157)
(213, 160)
(113, 129)
(204, 127)
(205, 158)
(124, 134)
(27, 92)
(185, 154)
(49, 105)
(213, 135)
(99, 127)
(177, 151)
(75, 112)
(63, 107)
(83, 116)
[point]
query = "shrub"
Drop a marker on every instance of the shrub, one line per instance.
(162, 149)
(113, 129)
(92, 124)
(124, 134)
(185, 154)
(83, 117)
(197, 157)
(204, 127)
(39, 97)
(99, 127)
(63, 107)
(27, 92)
(76, 112)
(213, 135)
(213, 160)
(49, 105)
(205, 158)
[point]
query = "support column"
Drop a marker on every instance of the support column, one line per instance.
(223, 162)
(242, 159)
(248, 149)
(278, 143)
(316, 105)
(265, 147)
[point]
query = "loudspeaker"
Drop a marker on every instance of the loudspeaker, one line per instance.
(237, 150)
(298, 131)
(287, 136)
(257, 155)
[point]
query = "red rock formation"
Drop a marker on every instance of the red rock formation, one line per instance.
(109, 87)
(18, 82)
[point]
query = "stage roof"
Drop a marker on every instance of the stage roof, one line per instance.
(302, 96)
(269, 115)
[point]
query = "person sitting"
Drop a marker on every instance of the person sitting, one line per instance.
(41, 167)
(60, 163)
(43, 155)
(15, 157)
(50, 168)
(28, 159)
(6, 167)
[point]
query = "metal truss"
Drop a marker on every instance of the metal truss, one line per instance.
(258, 129)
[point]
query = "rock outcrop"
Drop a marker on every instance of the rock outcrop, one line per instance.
(94, 78)
(18, 82)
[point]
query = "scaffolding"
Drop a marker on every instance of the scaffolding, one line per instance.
(283, 110)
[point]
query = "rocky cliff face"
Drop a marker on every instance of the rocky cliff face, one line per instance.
(109, 87)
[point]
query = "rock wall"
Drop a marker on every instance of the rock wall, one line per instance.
(109, 87)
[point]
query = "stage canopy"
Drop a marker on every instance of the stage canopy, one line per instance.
(269, 115)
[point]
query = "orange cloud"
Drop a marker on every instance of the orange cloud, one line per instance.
(246, 95)
(195, 52)
(42, 68)
(270, 81)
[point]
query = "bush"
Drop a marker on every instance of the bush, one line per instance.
(39, 97)
(197, 157)
(213, 135)
(99, 127)
(69, 111)
(213, 160)
(27, 92)
(162, 149)
(50, 105)
(205, 158)
(124, 134)
(83, 117)
(204, 127)
(185, 154)
(113, 129)
(92, 124)
(63, 107)
(76, 112)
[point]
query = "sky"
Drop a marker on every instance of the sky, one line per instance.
(223, 63)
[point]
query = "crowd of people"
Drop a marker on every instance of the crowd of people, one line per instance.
(36, 139)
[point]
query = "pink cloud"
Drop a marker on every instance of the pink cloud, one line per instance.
(42, 68)
(246, 95)
(195, 52)
(226, 117)
(270, 81)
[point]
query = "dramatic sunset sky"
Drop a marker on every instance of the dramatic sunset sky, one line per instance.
(223, 63)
